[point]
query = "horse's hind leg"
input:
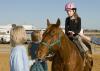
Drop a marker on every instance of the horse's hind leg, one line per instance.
(88, 64)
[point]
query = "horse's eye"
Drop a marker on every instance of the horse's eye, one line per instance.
(52, 33)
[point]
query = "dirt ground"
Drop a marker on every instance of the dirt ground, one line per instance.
(4, 59)
(4, 62)
(96, 66)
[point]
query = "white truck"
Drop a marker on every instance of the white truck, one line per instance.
(4, 36)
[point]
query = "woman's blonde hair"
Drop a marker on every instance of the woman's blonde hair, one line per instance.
(17, 36)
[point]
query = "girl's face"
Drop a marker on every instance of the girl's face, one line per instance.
(70, 13)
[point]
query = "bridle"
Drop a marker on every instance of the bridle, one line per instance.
(53, 42)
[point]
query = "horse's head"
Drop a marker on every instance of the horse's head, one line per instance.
(50, 40)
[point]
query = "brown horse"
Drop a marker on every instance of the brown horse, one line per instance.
(66, 56)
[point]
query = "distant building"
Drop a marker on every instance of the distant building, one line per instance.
(5, 32)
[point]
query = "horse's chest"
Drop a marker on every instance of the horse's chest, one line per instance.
(58, 64)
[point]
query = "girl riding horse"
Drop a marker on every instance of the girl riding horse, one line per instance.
(66, 56)
(73, 28)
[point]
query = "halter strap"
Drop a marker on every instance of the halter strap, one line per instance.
(53, 42)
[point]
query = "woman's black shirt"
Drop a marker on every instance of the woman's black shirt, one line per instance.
(71, 25)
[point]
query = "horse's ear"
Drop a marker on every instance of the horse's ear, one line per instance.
(48, 23)
(58, 22)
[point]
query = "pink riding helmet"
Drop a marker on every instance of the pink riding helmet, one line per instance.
(69, 6)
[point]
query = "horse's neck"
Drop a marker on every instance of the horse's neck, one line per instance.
(67, 53)
(68, 42)
(67, 46)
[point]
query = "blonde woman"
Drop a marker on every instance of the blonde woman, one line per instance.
(18, 56)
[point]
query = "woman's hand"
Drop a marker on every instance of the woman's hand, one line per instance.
(71, 32)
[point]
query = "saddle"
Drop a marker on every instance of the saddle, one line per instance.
(83, 53)
(88, 61)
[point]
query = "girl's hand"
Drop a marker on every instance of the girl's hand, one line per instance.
(71, 32)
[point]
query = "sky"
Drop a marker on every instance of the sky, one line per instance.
(36, 12)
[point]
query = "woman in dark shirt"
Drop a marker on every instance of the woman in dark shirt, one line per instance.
(73, 21)
(73, 27)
